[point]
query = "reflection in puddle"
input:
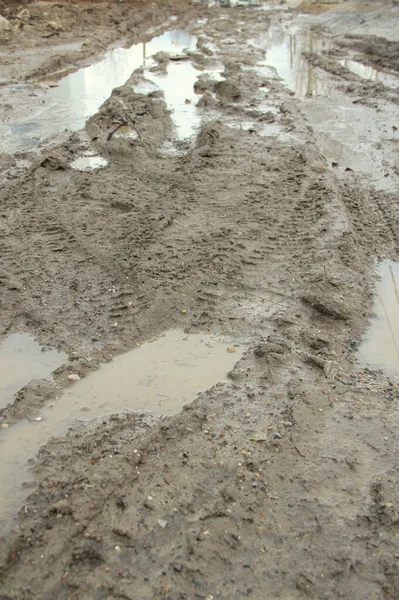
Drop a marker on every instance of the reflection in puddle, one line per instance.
(80, 94)
(22, 359)
(89, 163)
(159, 377)
(366, 72)
(180, 98)
(380, 348)
(284, 53)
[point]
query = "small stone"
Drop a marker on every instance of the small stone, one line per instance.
(24, 14)
(115, 324)
(4, 24)
(118, 549)
(288, 424)
(55, 25)
(277, 436)
(231, 349)
(4, 425)
(183, 311)
(73, 377)
(162, 523)
(259, 437)
(149, 503)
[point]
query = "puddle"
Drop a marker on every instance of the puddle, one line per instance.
(180, 98)
(79, 95)
(380, 348)
(22, 359)
(159, 377)
(284, 50)
(89, 163)
(366, 72)
(177, 85)
(356, 138)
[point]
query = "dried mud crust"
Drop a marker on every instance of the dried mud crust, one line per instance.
(280, 482)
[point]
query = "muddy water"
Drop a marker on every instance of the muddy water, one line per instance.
(158, 377)
(380, 348)
(356, 138)
(79, 95)
(284, 49)
(367, 72)
(180, 98)
(22, 359)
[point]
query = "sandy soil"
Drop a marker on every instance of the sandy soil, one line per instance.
(281, 482)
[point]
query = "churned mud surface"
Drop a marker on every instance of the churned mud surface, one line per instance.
(254, 205)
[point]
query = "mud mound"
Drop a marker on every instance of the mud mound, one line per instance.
(146, 115)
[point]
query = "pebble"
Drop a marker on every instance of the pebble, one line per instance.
(4, 425)
(162, 523)
(73, 377)
(277, 436)
(4, 24)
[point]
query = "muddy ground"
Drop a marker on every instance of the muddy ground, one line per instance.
(282, 481)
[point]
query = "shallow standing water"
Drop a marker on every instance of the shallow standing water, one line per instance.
(23, 359)
(367, 72)
(178, 87)
(80, 94)
(380, 347)
(284, 53)
(158, 377)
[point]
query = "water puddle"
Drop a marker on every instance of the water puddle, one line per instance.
(158, 377)
(22, 359)
(380, 348)
(180, 98)
(356, 138)
(284, 51)
(89, 163)
(79, 95)
(366, 72)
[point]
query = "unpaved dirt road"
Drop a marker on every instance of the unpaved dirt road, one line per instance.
(249, 185)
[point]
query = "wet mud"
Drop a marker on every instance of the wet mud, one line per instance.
(158, 379)
(213, 249)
